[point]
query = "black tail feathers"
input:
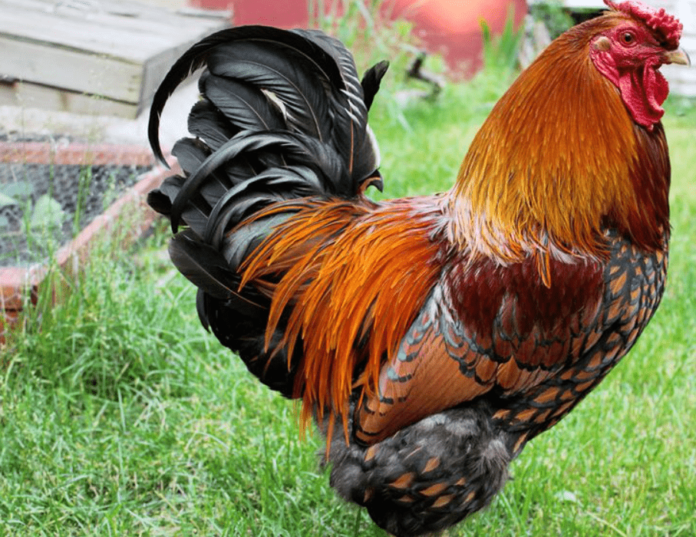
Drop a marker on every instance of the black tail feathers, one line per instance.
(281, 109)
(282, 115)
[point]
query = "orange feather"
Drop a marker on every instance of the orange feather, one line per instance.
(555, 193)
(353, 270)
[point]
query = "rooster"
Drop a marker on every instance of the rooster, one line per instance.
(431, 337)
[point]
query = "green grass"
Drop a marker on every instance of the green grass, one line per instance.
(123, 417)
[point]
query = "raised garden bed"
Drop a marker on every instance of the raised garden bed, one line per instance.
(56, 197)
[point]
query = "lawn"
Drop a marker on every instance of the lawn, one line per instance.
(122, 416)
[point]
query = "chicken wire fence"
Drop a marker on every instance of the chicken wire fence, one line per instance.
(47, 196)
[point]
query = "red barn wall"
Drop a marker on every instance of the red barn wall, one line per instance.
(450, 27)
(281, 13)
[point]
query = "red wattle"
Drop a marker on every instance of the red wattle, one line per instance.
(643, 92)
(643, 89)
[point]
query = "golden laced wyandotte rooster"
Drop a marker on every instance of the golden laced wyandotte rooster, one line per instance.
(430, 337)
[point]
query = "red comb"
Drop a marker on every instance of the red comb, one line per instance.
(657, 20)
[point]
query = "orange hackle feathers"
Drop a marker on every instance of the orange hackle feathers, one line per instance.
(554, 194)
(357, 275)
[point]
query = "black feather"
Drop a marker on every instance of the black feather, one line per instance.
(272, 186)
(159, 202)
(201, 309)
(349, 134)
(372, 80)
(295, 148)
(203, 266)
(206, 122)
(247, 237)
(282, 116)
(245, 106)
(293, 80)
(197, 55)
(190, 153)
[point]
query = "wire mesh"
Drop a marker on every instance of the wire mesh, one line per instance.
(44, 205)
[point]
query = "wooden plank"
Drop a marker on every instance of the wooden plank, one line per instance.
(145, 33)
(28, 95)
(88, 34)
(114, 50)
(70, 69)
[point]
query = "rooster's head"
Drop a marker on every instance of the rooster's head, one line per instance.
(631, 52)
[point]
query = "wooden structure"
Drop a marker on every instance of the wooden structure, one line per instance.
(92, 56)
(20, 286)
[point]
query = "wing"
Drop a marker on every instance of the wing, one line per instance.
(498, 332)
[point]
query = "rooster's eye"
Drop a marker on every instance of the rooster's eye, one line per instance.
(628, 38)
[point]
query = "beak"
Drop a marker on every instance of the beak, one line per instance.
(677, 56)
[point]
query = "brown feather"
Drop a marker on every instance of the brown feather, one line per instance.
(564, 333)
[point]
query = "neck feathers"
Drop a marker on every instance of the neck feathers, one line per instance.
(557, 162)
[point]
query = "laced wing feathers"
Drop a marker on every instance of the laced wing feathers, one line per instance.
(491, 333)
